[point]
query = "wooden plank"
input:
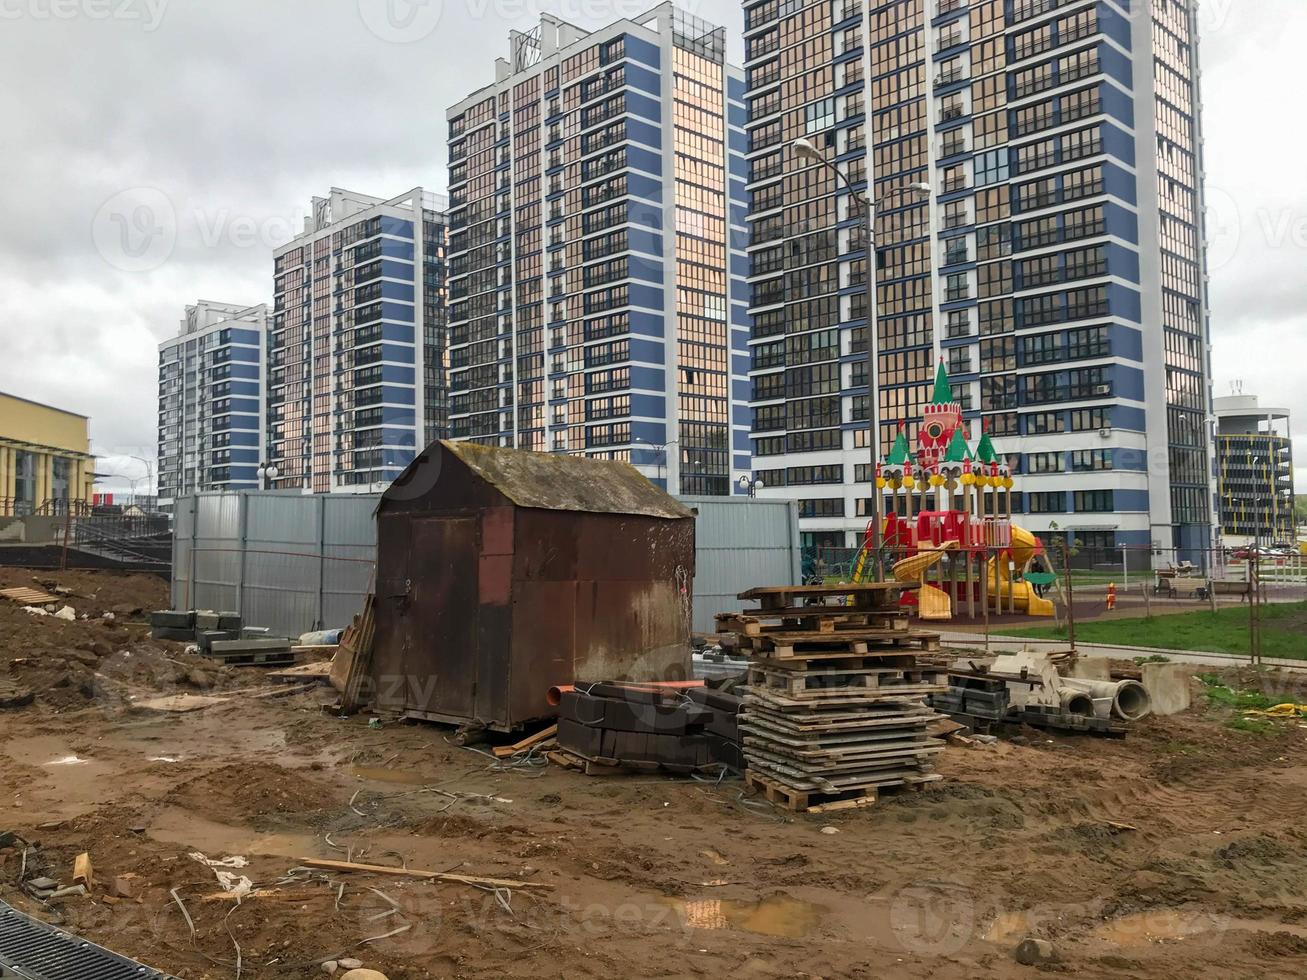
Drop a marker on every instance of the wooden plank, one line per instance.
(848, 614)
(544, 735)
(861, 588)
(282, 692)
(355, 653)
(29, 597)
(852, 661)
(83, 873)
(320, 671)
(178, 704)
(383, 869)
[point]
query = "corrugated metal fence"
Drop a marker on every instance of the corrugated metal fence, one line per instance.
(294, 563)
(739, 544)
(286, 561)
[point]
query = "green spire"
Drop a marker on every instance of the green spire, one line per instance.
(943, 389)
(957, 447)
(985, 450)
(898, 454)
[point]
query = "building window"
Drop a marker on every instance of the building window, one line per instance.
(1094, 501)
(822, 507)
(1046, 503)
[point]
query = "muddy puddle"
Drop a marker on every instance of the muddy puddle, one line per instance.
(787, 918)
(1163, 925)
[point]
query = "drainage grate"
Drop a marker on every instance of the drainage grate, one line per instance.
(34, 950)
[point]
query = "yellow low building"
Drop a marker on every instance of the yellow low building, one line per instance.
(46, 465)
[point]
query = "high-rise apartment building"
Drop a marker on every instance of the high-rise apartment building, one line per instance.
(598, 302)
(211, 378)
(1254, 472)
(1057, 266)
(356, 353)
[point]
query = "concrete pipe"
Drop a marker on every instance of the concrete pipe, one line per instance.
(1101, 693)
(1076, 702)
(1132, 701)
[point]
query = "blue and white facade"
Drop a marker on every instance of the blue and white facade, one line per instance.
(356, 347)
(598, 303)
(1058, 266)
(211, 378)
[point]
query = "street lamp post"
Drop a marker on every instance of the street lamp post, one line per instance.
(266, 472)
(751, 485)
(806, 150)
(662, 449)
(149, 474)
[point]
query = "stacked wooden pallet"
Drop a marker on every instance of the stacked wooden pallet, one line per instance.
(29, 597)
(835, 709)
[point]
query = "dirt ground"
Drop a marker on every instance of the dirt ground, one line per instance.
(1178, 851)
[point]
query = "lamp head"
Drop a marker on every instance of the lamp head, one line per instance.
(806, 150)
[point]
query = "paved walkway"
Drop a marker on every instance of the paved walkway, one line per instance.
(1016, 643)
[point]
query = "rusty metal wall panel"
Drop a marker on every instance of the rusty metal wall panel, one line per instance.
(631, 631)
(497, 531)
(544, 627)
(441, 643)
(598, 596)
(390, 682)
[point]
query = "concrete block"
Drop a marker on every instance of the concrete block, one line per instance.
(249, 646)
(230, 621)
(206, 620)
(1168, 687)
(173, 633)
(206, 638)
(1090, 669)
(173, 619)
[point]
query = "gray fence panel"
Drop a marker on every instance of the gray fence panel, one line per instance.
(183, 528)
(293, 563)
(740, 543)
(349, 535)
(216, 560)
(275, 557)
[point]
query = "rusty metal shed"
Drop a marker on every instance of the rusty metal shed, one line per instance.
(501, 572)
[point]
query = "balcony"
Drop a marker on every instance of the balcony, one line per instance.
(949, 77)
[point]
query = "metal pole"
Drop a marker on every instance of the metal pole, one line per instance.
(1071, 597)
(1125, 569)
(68, 523)
(867, 212)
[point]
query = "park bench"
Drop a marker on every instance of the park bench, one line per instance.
(1221, 587)
(1167, 577)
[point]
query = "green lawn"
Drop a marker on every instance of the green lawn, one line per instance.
(1284, 631)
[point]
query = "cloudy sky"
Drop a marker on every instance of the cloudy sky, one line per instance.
(152, 152)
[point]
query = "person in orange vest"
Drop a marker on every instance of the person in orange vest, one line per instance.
(1111, 596)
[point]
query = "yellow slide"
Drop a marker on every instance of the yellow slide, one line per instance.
(1024, 545)
(932, 603)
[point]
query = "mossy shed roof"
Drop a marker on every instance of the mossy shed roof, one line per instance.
(554, 481)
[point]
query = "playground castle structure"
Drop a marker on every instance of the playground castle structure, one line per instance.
(948, 508)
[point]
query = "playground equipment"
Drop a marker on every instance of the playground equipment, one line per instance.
(948, 508)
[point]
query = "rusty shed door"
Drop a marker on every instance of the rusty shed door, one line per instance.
(441, 652)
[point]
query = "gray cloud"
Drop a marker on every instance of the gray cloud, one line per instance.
(238, 112)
